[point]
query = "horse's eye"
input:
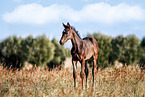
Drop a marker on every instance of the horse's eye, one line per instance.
(65, 32)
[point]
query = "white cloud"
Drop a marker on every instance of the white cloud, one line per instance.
(99, 13)
(105, 13)
(33, 14)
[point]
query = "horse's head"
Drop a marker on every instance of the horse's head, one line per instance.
(66, 34)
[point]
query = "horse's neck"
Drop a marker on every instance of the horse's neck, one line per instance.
(76, 41)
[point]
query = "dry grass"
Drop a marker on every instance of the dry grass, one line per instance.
(110, 82)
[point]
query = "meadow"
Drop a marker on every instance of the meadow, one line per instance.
(128, 81)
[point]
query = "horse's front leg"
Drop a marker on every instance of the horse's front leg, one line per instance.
(82, 74)
(74, 63)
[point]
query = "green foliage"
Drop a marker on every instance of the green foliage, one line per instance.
(125, 49)
(104, 43)
(141, 54)
(131, 49)
(59, 55)
(42, 51)
(67, 52)
(143, 42)
(27, 48)
(11, 53)
(15, 51)
(117, 48)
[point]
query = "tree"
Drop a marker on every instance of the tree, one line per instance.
(143, 42)
(125, 49)
(42, 50)
(15, 51)
(11, 52)
(28, 48)
(141, 54)
(118, 46)
(131, 49)
(59, 55)
(105, 48)
(67, 52)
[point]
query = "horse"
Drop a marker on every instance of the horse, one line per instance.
(82, 50)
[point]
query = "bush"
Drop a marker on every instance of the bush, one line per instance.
(141, 54)
(59, 56)
(125, 49)
(11, 53)
(105, 48)
(41, 50)
(15, 51)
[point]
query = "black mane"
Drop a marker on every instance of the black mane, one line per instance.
(75, 31)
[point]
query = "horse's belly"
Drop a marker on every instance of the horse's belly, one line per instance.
(89, 55)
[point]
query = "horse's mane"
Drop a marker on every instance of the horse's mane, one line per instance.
(75, 31)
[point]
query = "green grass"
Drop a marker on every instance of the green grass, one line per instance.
(110, 82)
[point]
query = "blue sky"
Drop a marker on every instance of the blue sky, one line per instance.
(37, 17)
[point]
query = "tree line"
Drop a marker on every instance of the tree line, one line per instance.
(38, 51)
(128, 50)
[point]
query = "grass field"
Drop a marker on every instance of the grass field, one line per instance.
(39, 82)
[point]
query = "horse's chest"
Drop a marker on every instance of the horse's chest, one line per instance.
(75, 55)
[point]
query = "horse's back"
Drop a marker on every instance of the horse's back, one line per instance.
(91, 45)
(92, 40)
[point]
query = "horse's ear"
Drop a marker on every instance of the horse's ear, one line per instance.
(64, 25)
(68, 25)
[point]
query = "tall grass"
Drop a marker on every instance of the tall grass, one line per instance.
(110, 82)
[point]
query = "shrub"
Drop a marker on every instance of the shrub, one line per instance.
(59, 55)
(41, 50)
(105, 48)
(125, 49)
(15, 51)
(11, 53)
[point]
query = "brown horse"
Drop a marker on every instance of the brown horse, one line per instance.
(82, 50)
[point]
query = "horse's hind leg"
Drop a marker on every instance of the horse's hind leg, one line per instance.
(82, 73)
(86, 73)
(94, 69)
(74, 63)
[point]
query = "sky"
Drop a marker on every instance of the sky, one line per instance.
(37, 17)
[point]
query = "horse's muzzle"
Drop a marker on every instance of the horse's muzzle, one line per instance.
(61, 43)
